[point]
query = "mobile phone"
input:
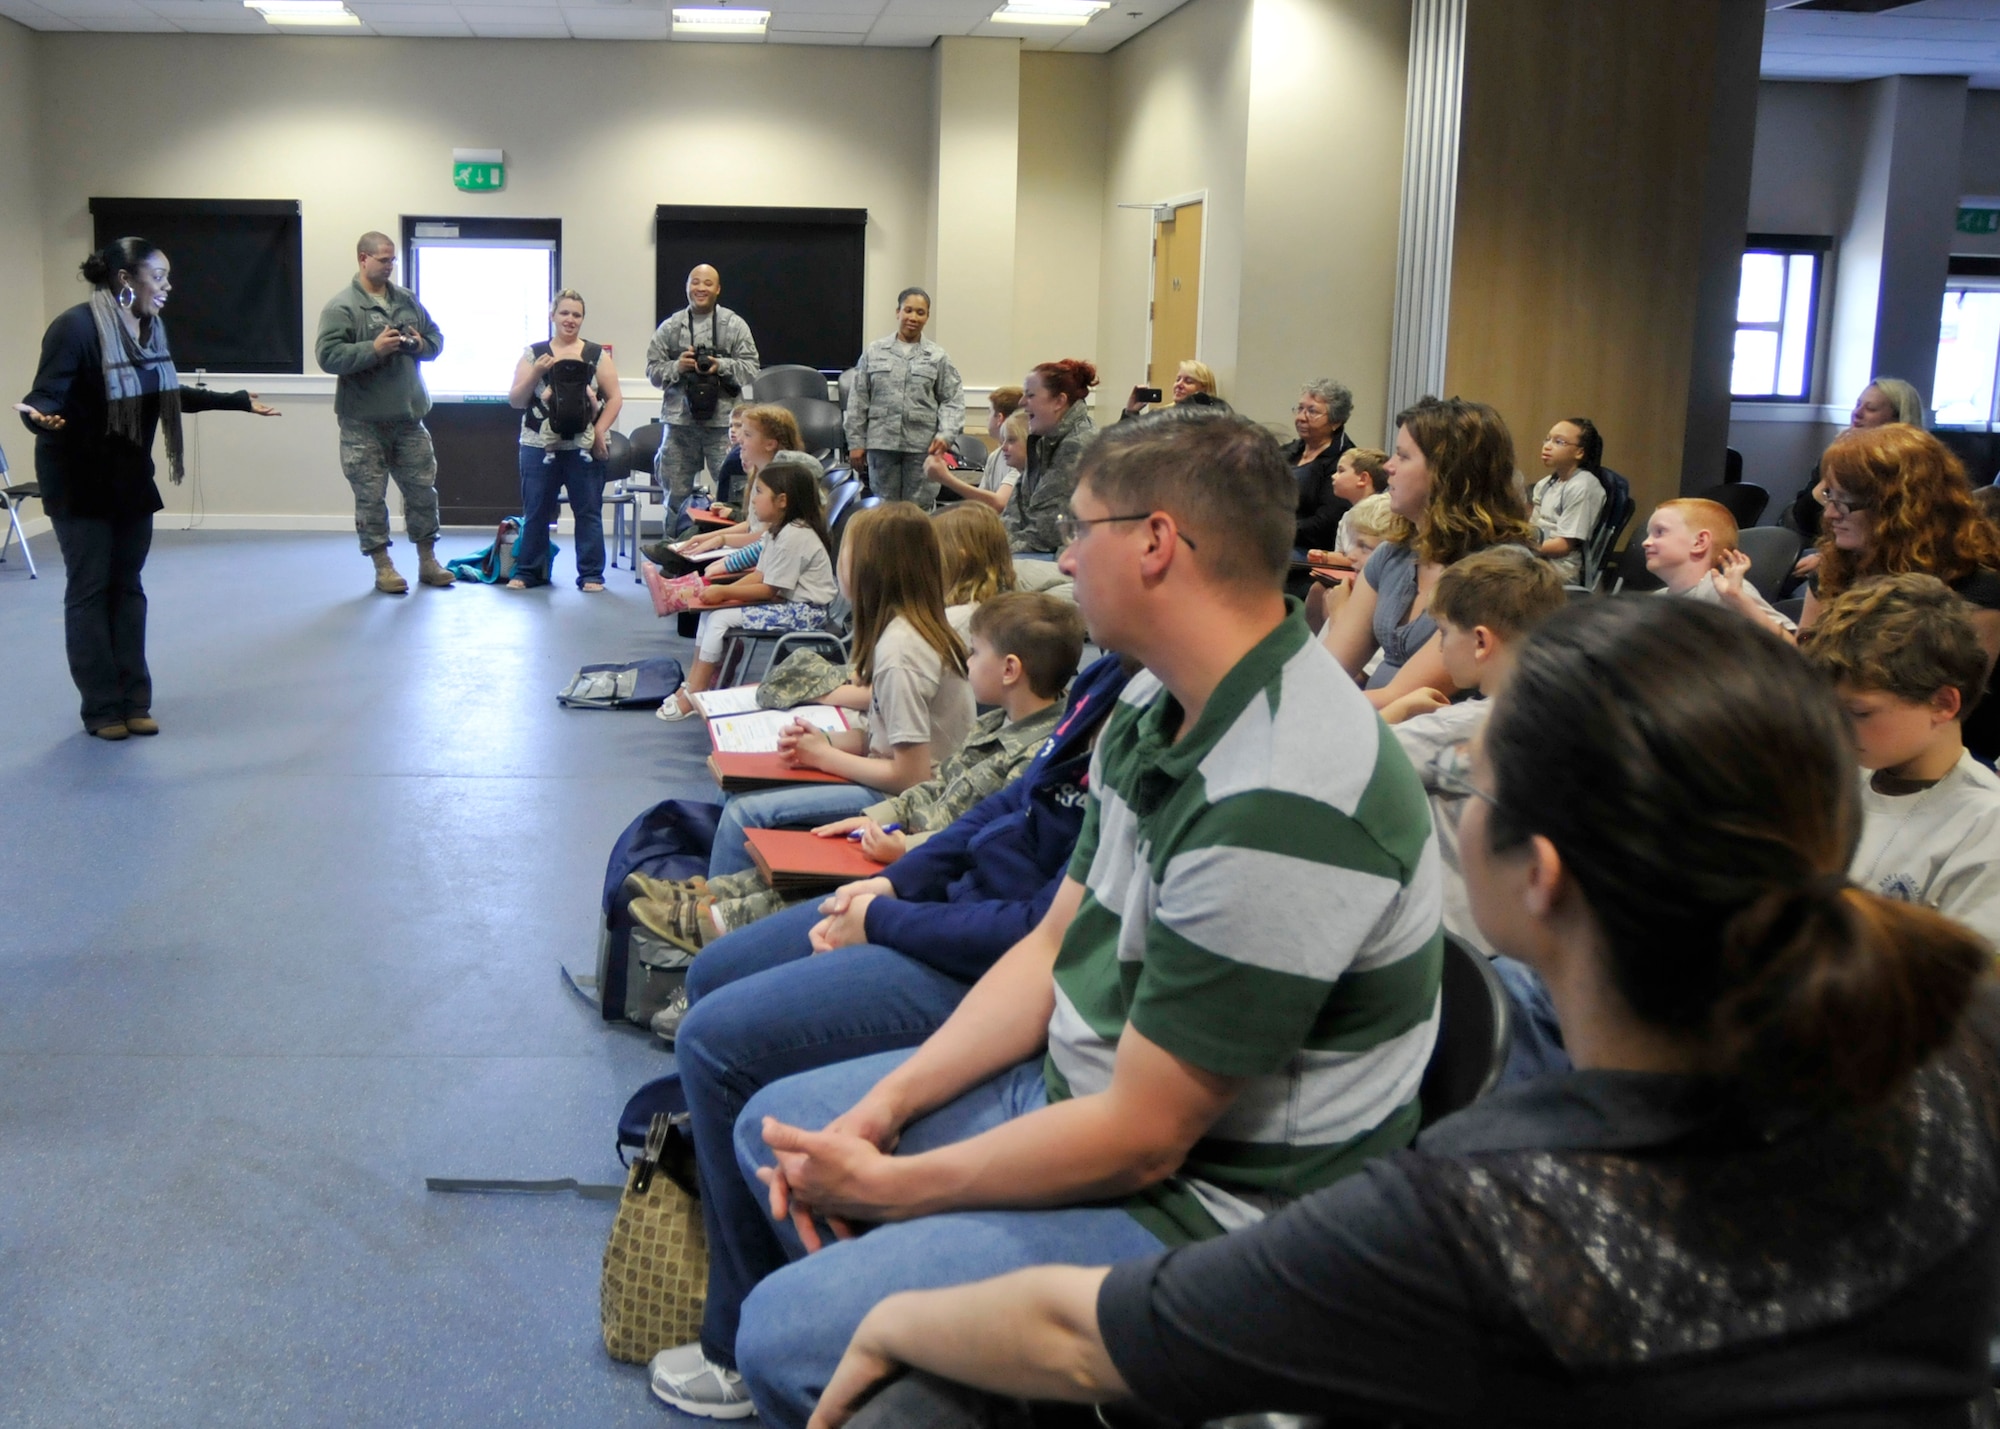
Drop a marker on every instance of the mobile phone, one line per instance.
(1146, 394)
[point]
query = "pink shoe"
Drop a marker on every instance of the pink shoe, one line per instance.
(670, 597)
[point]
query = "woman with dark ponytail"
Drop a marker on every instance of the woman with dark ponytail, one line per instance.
(105, 388)
(1770, 1192)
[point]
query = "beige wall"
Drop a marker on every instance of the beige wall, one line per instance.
(1324, 175)
(361, 130)
(21, 317)
(1178, 124)
(1288, 115)
(976, 100)
(1061, 208)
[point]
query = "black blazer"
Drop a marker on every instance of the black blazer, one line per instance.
(1319, 510)
(83, 469)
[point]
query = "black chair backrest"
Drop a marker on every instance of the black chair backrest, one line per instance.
(1611, 523)
(1475, 1033)
(775, 384)
(846, 387)
(1732, 466)
(618, 452)
(1773, 551)
(971, 451)
(642, 447)
(1745, 500)
(841, 506)
(819, 424)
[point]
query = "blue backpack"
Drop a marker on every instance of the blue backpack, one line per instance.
(637, 974)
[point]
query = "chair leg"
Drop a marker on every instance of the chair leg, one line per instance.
(13, 530)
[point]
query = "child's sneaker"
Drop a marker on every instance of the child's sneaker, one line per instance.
(692, 1383)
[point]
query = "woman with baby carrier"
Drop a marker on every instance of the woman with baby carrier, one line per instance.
(567, 390)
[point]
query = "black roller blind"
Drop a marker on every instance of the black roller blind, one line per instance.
(237, 277)
(795, 274)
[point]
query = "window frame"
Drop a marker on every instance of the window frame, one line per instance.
(1970, 273)
(1786, 246)
(478, 231)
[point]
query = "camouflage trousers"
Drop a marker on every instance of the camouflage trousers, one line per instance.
(374, 453)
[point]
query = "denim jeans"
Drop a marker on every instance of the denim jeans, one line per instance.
(793, 806)
(762, 1007)
(543, 475)
(1538, 1041)
(899, 476)
(104, 614)
(797, 1322)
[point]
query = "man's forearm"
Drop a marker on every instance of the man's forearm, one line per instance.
(1032, 1334)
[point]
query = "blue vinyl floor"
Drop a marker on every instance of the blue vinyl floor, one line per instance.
(262, 974)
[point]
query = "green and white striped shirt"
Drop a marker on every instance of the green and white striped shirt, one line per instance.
(1262, 899)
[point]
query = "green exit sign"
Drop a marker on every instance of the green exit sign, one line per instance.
(478, 170)
(1979, 220)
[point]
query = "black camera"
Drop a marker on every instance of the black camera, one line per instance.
(704, 358)
(412, 340)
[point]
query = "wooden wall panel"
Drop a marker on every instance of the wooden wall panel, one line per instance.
(1588, 135)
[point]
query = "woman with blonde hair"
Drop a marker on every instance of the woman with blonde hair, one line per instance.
(908, 673)
(564, 450)
(977, 563)
(1897, 500)
(1453, 491)
(1194, 386)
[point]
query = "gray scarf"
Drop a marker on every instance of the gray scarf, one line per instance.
(124, 390)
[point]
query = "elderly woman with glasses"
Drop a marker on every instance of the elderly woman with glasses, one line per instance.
(1320, 419)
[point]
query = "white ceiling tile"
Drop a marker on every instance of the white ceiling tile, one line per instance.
(814, 37)
(479, 16)
(782, 23)
(515, 31)
(35, 17)
(435, 30)
(372, 10)
(608, 24)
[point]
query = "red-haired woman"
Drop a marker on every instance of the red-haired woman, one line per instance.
(1897, 500)
(1059, 432)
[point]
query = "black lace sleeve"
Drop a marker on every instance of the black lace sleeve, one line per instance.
(1344, 1304)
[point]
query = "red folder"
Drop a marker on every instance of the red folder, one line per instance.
(703, 516)
(737, 773)
(798, 861)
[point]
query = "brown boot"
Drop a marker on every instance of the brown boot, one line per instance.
(428, 569)
(387, 579)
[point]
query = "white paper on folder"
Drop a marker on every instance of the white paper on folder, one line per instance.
(758, 733)
(738, 699)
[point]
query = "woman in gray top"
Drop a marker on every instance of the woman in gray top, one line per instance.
(907, 403)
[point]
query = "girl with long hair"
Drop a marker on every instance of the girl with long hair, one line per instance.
(1453, 491)
(789, 588)
(977, 564)
(908, 672)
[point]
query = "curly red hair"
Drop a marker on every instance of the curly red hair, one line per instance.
(1924, 517)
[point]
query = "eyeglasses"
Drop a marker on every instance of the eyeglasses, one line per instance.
(1844, 505)
(1561, 442)
(1455, 781)
(1071, 529)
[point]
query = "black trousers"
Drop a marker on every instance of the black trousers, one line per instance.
(104, 614)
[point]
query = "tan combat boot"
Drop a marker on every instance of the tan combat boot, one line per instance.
(387, 579)
(428, 569)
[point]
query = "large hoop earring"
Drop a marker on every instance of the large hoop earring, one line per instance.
(126, 297)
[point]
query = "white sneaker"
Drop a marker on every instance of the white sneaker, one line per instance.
(692, 1383)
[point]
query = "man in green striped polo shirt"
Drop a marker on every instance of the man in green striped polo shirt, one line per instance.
(1233, 997)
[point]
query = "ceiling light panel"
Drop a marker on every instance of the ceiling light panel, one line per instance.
(720, 23)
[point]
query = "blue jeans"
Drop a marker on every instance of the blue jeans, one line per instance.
(543, 476)
(761, 1008)
(1538, 1040)
(797, 1322)
(794, 806)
